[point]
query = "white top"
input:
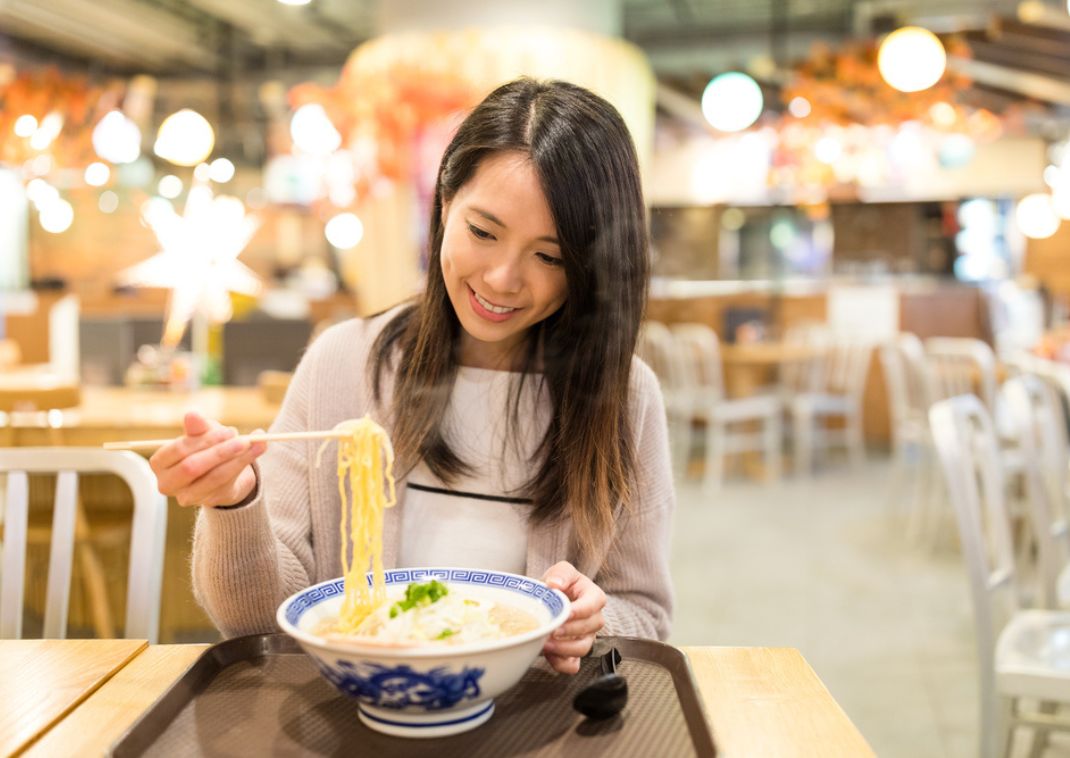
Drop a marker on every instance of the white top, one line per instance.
(481, 519)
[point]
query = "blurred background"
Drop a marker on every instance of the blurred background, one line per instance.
(191, 189)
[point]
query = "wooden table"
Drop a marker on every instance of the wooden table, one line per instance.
(759, 701)
(41, 681)
(115, 413)
(750, 366)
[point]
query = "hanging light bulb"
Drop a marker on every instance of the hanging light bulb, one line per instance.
(911, 59)
(732, 101)
(185, 138)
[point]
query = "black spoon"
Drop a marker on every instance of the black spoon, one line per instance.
(606, 695)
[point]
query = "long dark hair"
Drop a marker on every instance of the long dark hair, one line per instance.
(585, 160)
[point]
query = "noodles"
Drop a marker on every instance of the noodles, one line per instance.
(429, 612)
(365, 461)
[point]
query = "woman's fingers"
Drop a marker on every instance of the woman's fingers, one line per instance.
(173, 454)
(564, 665)
(562, 575)
(581, 627)
(571, 648)
(218, 485)
(588, 600)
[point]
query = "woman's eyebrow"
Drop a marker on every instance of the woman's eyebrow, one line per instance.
(495, 220)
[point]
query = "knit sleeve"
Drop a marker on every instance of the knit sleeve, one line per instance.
(247, 560)
(635, 575)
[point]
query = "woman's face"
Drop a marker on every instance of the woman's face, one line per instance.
(500, 259)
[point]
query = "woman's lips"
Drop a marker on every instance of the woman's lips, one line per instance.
(487, 314)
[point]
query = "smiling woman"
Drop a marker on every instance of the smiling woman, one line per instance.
(528, 437)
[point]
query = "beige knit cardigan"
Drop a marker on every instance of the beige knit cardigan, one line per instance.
(247, 560)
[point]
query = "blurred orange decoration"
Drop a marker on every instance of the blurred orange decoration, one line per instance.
(856, 131)
(388, 116)
(844, 86)
(48, 92)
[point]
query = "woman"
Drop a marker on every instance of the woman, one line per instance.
(528, 436)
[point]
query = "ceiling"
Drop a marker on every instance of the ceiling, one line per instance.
(1019, 50)
(174, 37)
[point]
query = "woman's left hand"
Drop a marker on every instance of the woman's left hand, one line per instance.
(575, 637)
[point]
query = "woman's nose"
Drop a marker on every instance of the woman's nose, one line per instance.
(504, 276)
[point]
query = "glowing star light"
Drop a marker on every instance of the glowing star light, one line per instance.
(198, 260)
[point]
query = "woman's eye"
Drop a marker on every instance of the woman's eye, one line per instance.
(482, 234)
(549, 260)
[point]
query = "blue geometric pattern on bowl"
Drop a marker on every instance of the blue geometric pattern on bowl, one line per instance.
(402, 687)
(512, 582)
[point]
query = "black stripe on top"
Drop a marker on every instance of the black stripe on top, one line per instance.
(473, 495)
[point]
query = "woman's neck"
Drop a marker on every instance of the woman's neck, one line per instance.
(475, 354)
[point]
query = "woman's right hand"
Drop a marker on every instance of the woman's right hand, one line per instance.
(206, 466)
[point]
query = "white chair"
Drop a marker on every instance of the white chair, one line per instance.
(1022, 653)
(146, 543)
(831, 386)
(1042, 438)
(657, 348)
(913, 458)
(699, 351)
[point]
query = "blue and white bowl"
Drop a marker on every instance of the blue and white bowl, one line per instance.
(429, 690)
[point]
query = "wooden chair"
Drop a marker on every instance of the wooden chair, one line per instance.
(146, 544)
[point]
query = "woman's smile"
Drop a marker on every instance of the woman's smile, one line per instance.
(487, 309)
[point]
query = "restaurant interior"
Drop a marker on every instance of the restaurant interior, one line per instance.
(857, 315)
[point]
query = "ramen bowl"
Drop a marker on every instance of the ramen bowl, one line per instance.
(432, 689)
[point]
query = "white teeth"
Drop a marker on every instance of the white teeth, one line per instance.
(491, 308)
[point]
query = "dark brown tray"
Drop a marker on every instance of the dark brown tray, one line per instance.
(261, 695)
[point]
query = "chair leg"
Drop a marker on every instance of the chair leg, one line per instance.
(1039, 735)
(771, 435)
(680, 444)
(856, 441)
(997, 735)
(803, 422)
(715, 452)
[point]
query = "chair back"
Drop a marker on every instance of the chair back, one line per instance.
(1041, 434)
(903, 362)
(811, 374)
(962, 366)
(146, 542)
(658, 349)
(849, 358)
(700, 359)
(966, 444)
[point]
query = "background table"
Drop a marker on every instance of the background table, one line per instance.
(759, 701)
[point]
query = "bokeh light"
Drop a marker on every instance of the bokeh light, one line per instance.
(313, 132)
(97, 174)
(117, 139)
(185, 138)
(1036, 216)
(344, 231)
(732, 101)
